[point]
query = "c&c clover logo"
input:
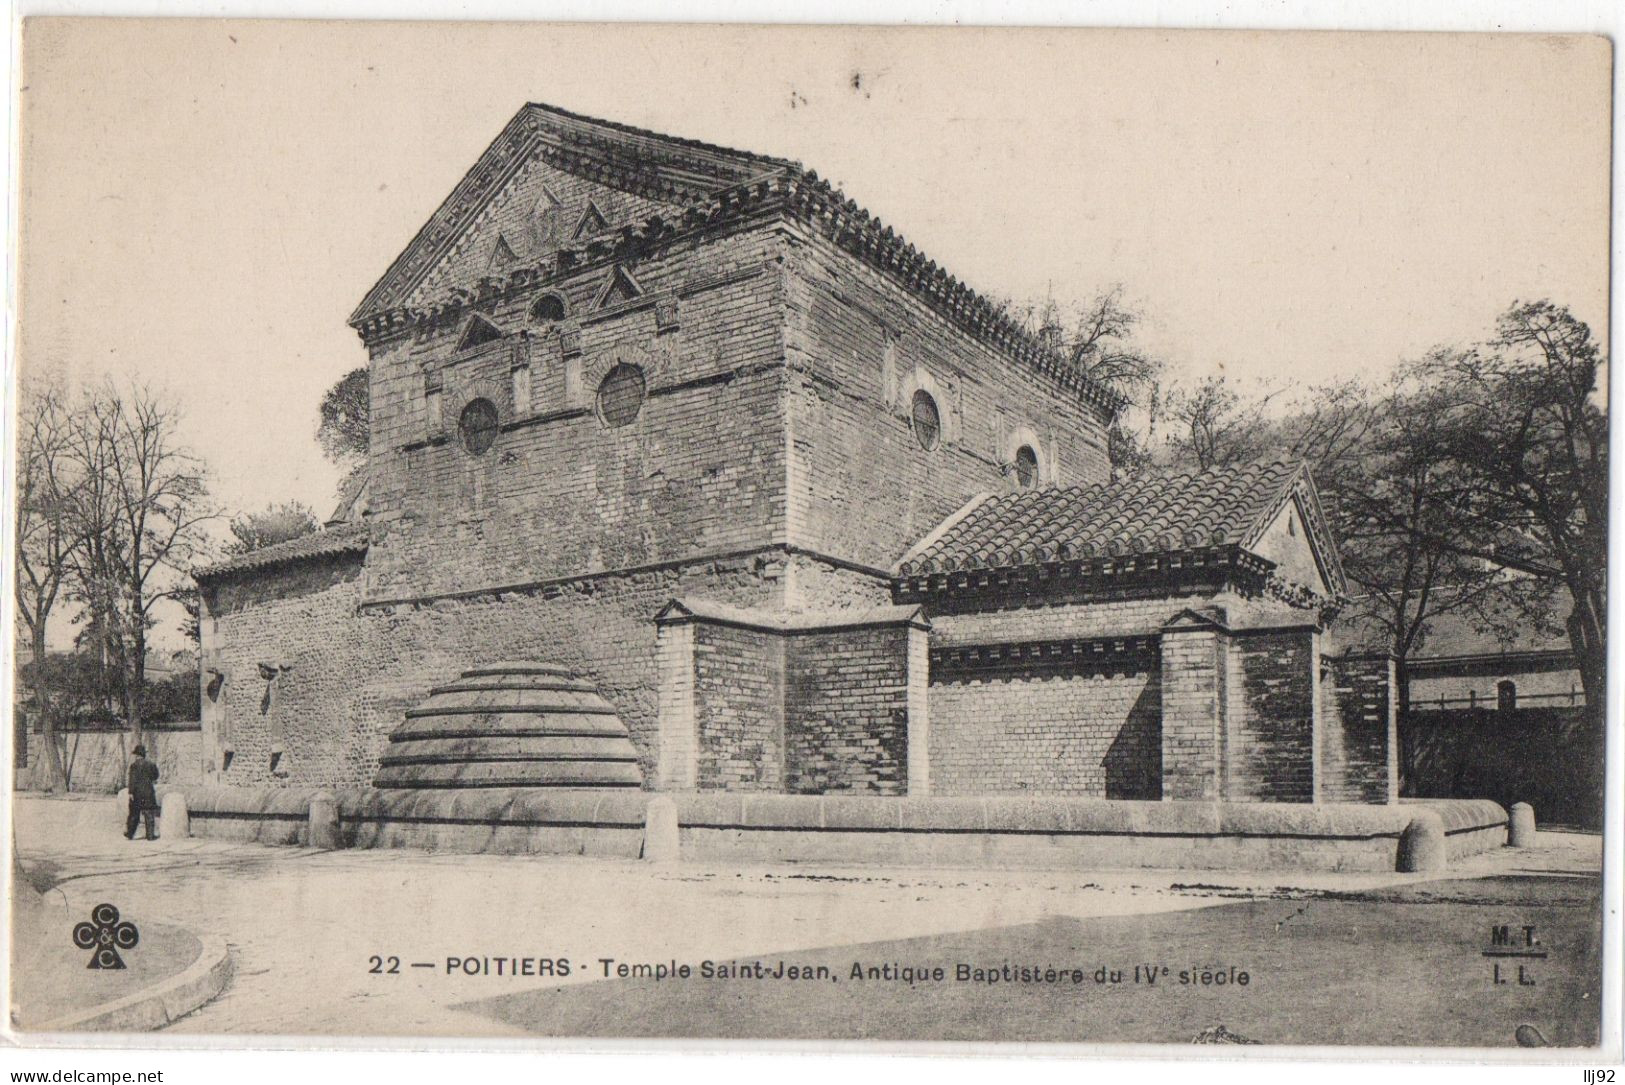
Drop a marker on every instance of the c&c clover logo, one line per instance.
(106, 936)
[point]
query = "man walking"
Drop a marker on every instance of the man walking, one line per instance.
(143, 795)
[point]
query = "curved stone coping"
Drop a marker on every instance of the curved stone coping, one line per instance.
(266, 803)
(163, 1002)
(1114, 817)
(1463, 815)
(722, 810)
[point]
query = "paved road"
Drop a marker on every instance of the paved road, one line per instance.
(304, 924)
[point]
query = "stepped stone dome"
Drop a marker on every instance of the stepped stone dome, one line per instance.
(511, 724)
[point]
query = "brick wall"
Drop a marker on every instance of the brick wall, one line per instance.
(1094, 735)
(739, 697)
(846, 711)
(699, 471)
(355, 669)
(1358, 736)
(1271, 688)
(861, 486)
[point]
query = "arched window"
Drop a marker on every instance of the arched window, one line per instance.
(548, 308)
(477, 426)
(927, 421)
(1026, 467)
(620, 395)
(1506, 695)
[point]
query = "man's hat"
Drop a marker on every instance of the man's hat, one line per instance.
(140, 751)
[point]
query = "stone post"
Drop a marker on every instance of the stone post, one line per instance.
(661, 834)
(1421, 845)
(324, 821)
(174, 823)
(1521, 830)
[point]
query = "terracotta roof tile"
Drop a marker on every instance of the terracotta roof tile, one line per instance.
(1149, 514)
(349, 539)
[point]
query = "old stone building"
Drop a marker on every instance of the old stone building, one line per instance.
(762, 499)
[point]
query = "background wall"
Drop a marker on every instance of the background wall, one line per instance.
(99, 760)
(1551, 758)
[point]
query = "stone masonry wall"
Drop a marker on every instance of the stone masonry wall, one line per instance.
(846, 711)
(354, 672)
(99, 761)
(1091, 735)
(1358, 744)
(861, 486)
(1269, 753)
(739, 708)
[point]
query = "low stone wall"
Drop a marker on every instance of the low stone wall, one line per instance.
(97, 761)
(1070, 833)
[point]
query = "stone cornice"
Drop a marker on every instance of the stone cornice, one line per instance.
(684, 172)
(1065, 656)
(799, 197)
(1134, 575)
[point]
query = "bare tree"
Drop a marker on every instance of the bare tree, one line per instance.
(48, 541)
(1099, 338)
(152, 504)
(1214, 423)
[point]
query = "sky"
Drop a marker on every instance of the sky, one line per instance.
(204, 203)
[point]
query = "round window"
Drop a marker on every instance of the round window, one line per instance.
(478, 426)
(1026, 467)
(927, 422)
(620, 396)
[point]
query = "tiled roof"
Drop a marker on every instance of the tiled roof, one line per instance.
(349, 539)
(1150, 514)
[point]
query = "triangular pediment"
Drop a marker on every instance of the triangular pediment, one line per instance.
(620, 287)
(591, 222)
(545, 217)
(624, 173)
(502, 255)
(480, 330)
(1190, 619)
(1293, 534)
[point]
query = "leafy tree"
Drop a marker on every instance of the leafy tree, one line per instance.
(345, 418)
(1528, 437)
(1403, 535)
(271, 525)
